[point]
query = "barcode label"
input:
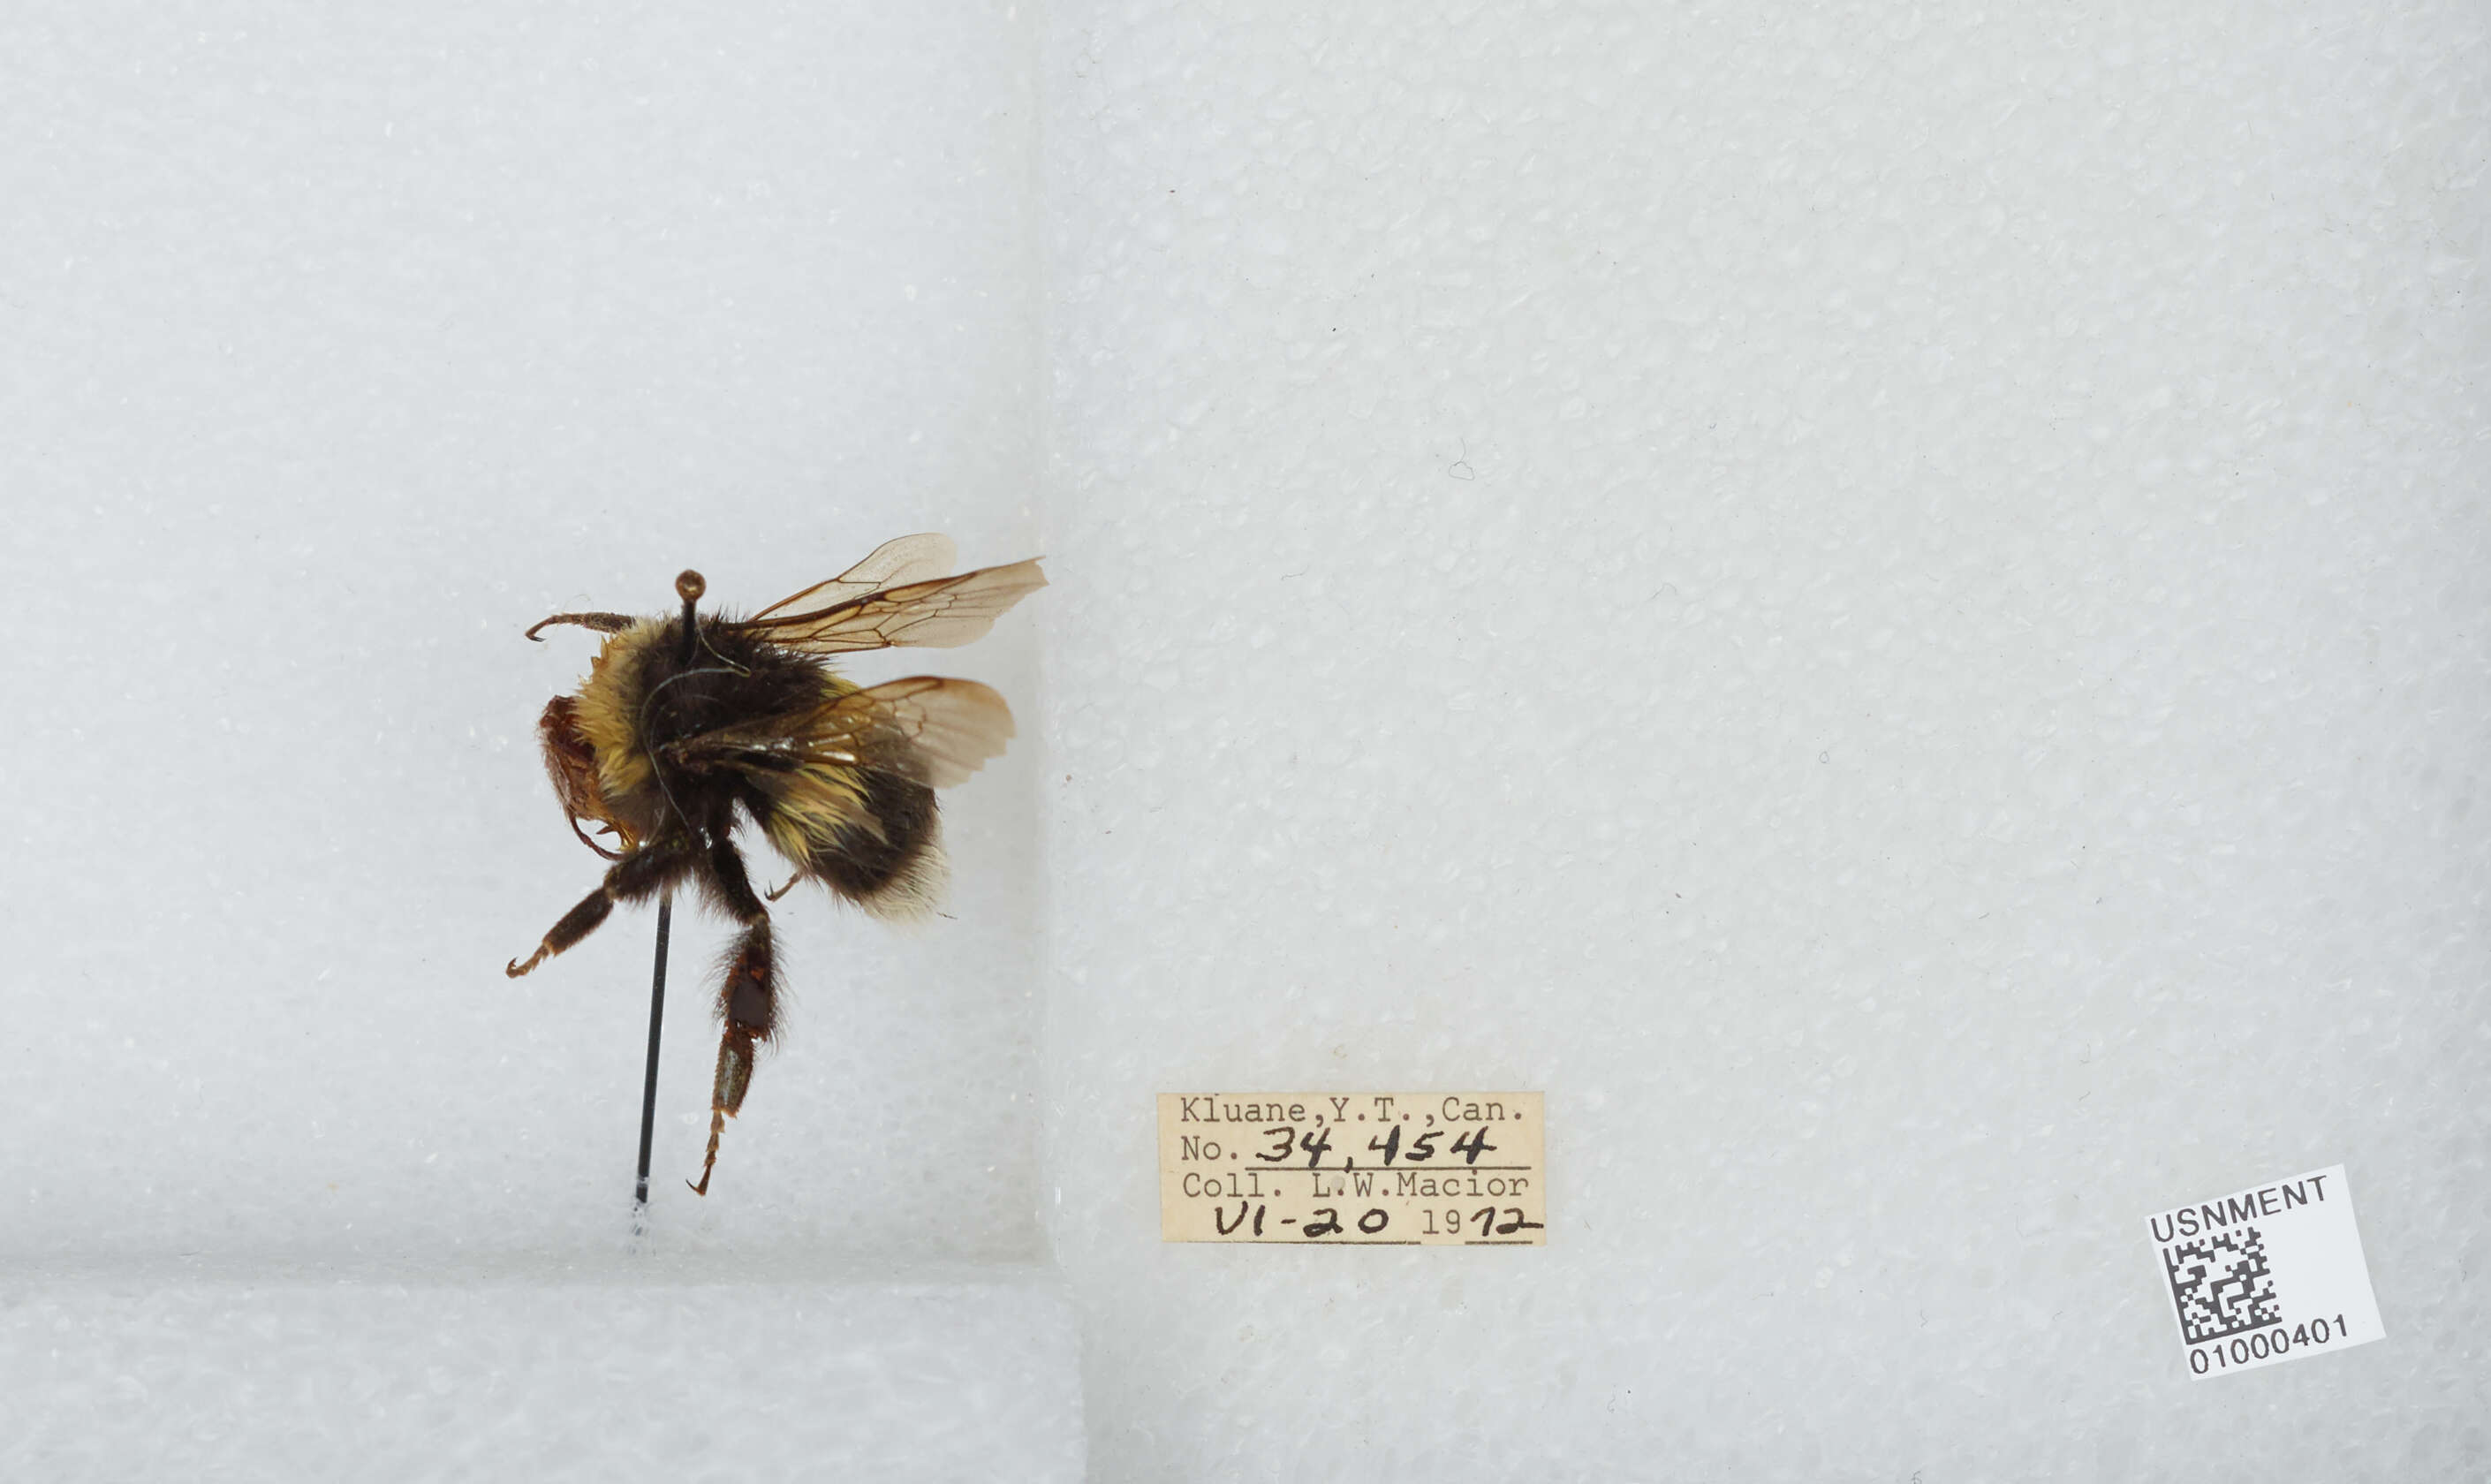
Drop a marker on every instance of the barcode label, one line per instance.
(2267, 1274)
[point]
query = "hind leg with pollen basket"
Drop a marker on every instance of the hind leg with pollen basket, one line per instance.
(748, 998)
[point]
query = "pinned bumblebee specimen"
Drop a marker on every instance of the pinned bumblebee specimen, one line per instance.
(686, 723)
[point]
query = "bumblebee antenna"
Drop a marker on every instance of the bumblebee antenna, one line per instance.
(688, 586)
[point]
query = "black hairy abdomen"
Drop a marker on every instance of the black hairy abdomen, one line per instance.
(862, 865)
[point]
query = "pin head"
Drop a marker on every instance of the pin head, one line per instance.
(690, 586)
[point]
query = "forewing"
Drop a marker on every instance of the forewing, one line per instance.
(939, 614)
(927, 729)
(904, 559)
(933, 730)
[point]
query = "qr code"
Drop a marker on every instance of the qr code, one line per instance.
(2221, 1284)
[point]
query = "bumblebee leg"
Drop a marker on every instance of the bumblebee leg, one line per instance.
(748, 998)
(635, 877)
(602, 622)
(610, 855)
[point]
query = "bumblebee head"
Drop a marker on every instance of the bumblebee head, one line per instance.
(571, 762)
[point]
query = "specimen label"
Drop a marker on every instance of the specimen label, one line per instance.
(2271, 1273)
(1353, 1169)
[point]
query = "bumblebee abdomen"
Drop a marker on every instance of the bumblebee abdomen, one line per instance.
(869, 833)
(894, 866)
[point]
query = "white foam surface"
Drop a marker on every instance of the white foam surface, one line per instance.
(532, 1371)
(341, 350)
(336, 349)
(1885, 604)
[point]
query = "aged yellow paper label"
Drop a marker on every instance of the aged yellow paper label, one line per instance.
(1353, 1169)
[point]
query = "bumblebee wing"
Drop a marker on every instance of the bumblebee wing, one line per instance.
(927, 729)
(904, 559)
(939, 614)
